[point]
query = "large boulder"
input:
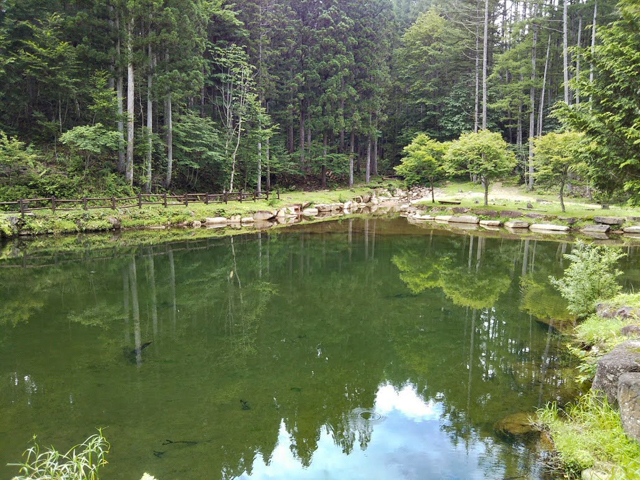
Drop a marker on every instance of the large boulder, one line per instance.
(629, 401)
(609, 220)
(310, 212)
(517, 426)
(630, 331)
(264, 216)
(625, 358)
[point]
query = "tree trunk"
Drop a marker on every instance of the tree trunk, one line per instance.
(324, 161)
(485, 184)
(302, 137)
(565, 50)
(593, 41)
(544, 86)
(578, 57)
(147, 186)
(476, 111)
(532, 101)
(368, 166)
(169, 131)
(375, 156)
(259, 179)
(562, 195)
(267, 157)
(120, 100)
(130, 104)
(353, 149)
(485, 60)
(433, 195)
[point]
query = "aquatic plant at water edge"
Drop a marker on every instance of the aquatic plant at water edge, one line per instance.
(590, 434)
(81, 462)
(590, 277)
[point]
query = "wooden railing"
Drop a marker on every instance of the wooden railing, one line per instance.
(54, 204)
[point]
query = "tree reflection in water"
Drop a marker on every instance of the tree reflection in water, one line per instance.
(342, 349)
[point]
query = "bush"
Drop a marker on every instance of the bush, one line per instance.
(590, 277)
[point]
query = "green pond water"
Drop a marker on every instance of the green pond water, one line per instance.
(359, 349)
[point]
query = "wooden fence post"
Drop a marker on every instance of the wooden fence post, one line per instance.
(21, 203)
(255, 194)
(84, 203)
(113, 203)
(278, 192)
(224, 195)
(53, 204)
(139, 200)
(206, 199)
(240, 196)
(267, 195)
(186, 199)
(164, 199)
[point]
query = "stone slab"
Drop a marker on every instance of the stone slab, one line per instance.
(633, 229)
(601, 228)
(216, 221)
(549, 227)
(609, 220)
(491, 223)
(465, 219)
(443, 218)
(263, 216)
(516, 224)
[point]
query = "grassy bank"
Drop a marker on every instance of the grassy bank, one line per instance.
(588, 435)
(504, 197)
(100, 220)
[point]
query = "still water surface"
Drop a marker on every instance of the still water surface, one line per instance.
(334, 351)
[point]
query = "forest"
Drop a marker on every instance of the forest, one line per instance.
(116, 96)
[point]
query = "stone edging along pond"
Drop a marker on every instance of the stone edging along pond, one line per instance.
(380, 201)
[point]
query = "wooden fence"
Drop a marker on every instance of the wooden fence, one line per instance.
(54, 204)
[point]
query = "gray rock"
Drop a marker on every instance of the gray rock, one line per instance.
(486, 213)
(633, 229)
(460, 209)
(605, 310)
(625, 358)
(595, 228)
(464, 219)
(516, 224)
(490, 223)
(549, 227)
(629, 401)
(511, 214)
(630, 331)
(196, 224)
(535, 215)
(310, 212)
(609, 220)
(263, 216)
(216, 221)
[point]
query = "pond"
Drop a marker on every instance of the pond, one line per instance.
(360, 349)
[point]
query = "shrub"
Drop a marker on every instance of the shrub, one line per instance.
(590, 277)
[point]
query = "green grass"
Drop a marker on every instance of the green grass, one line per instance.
(589, 434)
(575, 206)
(625, 300)
(44, 221)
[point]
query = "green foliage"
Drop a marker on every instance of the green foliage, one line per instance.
(80, 462)
(556, 156)
(484, 154)
(590, 434)
(610, 118)
(91, 139)
(590, 277)
(16, 159)
(423, 162)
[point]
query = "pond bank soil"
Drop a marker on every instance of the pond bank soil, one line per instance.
(305, 207)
